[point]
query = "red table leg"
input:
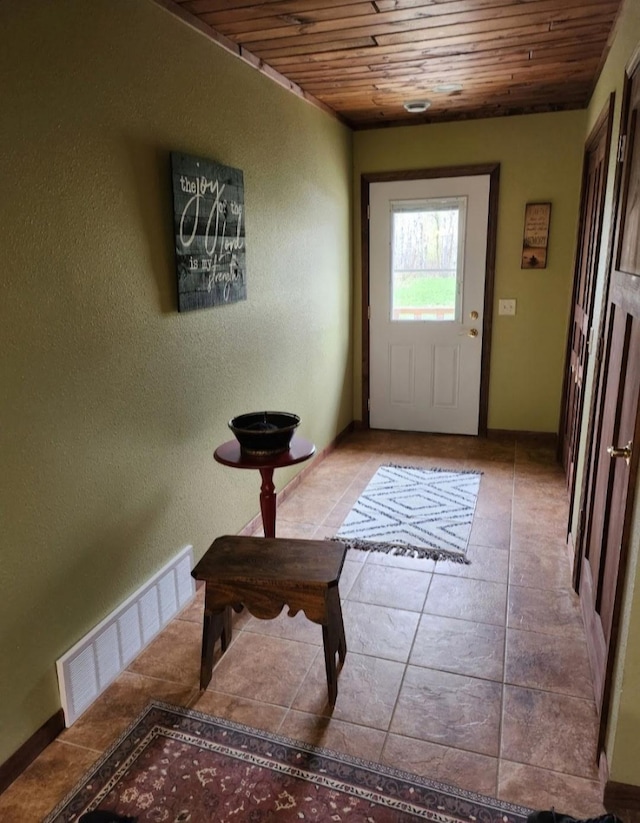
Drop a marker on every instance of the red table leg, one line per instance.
(268, 502)
(230, 454)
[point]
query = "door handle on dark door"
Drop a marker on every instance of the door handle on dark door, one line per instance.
(625, 451)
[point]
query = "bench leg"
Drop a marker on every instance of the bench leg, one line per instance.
(334, 642)
(216, 625)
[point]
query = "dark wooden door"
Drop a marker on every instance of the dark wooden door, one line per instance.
(594, 184)
(616, 442)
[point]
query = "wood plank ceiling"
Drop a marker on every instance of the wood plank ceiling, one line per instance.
(468, 58)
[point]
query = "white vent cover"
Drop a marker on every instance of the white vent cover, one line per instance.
(95, 661)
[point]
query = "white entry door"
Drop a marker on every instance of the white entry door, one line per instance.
(427, 263)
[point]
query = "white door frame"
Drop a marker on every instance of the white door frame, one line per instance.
(366, 179)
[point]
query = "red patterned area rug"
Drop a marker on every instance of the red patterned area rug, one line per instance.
(181, 766)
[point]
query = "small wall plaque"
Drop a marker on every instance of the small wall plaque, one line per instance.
(536, 235)
(209, 229)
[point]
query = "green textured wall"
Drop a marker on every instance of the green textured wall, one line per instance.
(540, 159)
(110, 402)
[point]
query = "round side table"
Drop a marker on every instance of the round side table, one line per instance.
(230, 454)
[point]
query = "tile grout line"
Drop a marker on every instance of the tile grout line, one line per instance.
(506, 627)
(404, 673)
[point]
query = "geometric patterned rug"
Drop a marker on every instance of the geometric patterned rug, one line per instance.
(178, 765)
(416, 512)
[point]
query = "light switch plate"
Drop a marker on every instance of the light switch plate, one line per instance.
(506, 307)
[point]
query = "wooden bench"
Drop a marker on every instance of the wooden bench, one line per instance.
(263, 575)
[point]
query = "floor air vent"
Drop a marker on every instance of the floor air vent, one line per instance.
(86, 670)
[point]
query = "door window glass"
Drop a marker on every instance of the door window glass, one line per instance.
(427, 252)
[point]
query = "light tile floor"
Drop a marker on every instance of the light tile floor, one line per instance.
(474, 675)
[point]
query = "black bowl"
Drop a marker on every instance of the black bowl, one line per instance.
(264, 432)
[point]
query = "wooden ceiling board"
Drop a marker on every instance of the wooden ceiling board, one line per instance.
(362, 59)
(258, 30)
(458, 70)
(395, 84)
(459, 67)
(255, 8)
(449, 48)
(443, 54)
(289, 14)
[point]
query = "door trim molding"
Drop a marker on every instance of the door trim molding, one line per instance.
(366, 179)
(582, 521)
(603, 127)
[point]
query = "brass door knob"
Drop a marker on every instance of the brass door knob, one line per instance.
(625, 451)
(473, 332)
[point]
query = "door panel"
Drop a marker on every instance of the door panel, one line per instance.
(401, 374)
(588, 253)
(446, 376)
(628, 259)
(425, 368)
(613, 459)
(601, 563)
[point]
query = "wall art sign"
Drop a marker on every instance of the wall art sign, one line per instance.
(536, 235)
(209, 229)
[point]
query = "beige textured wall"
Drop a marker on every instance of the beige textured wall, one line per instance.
(540, 159)
(111, 403)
